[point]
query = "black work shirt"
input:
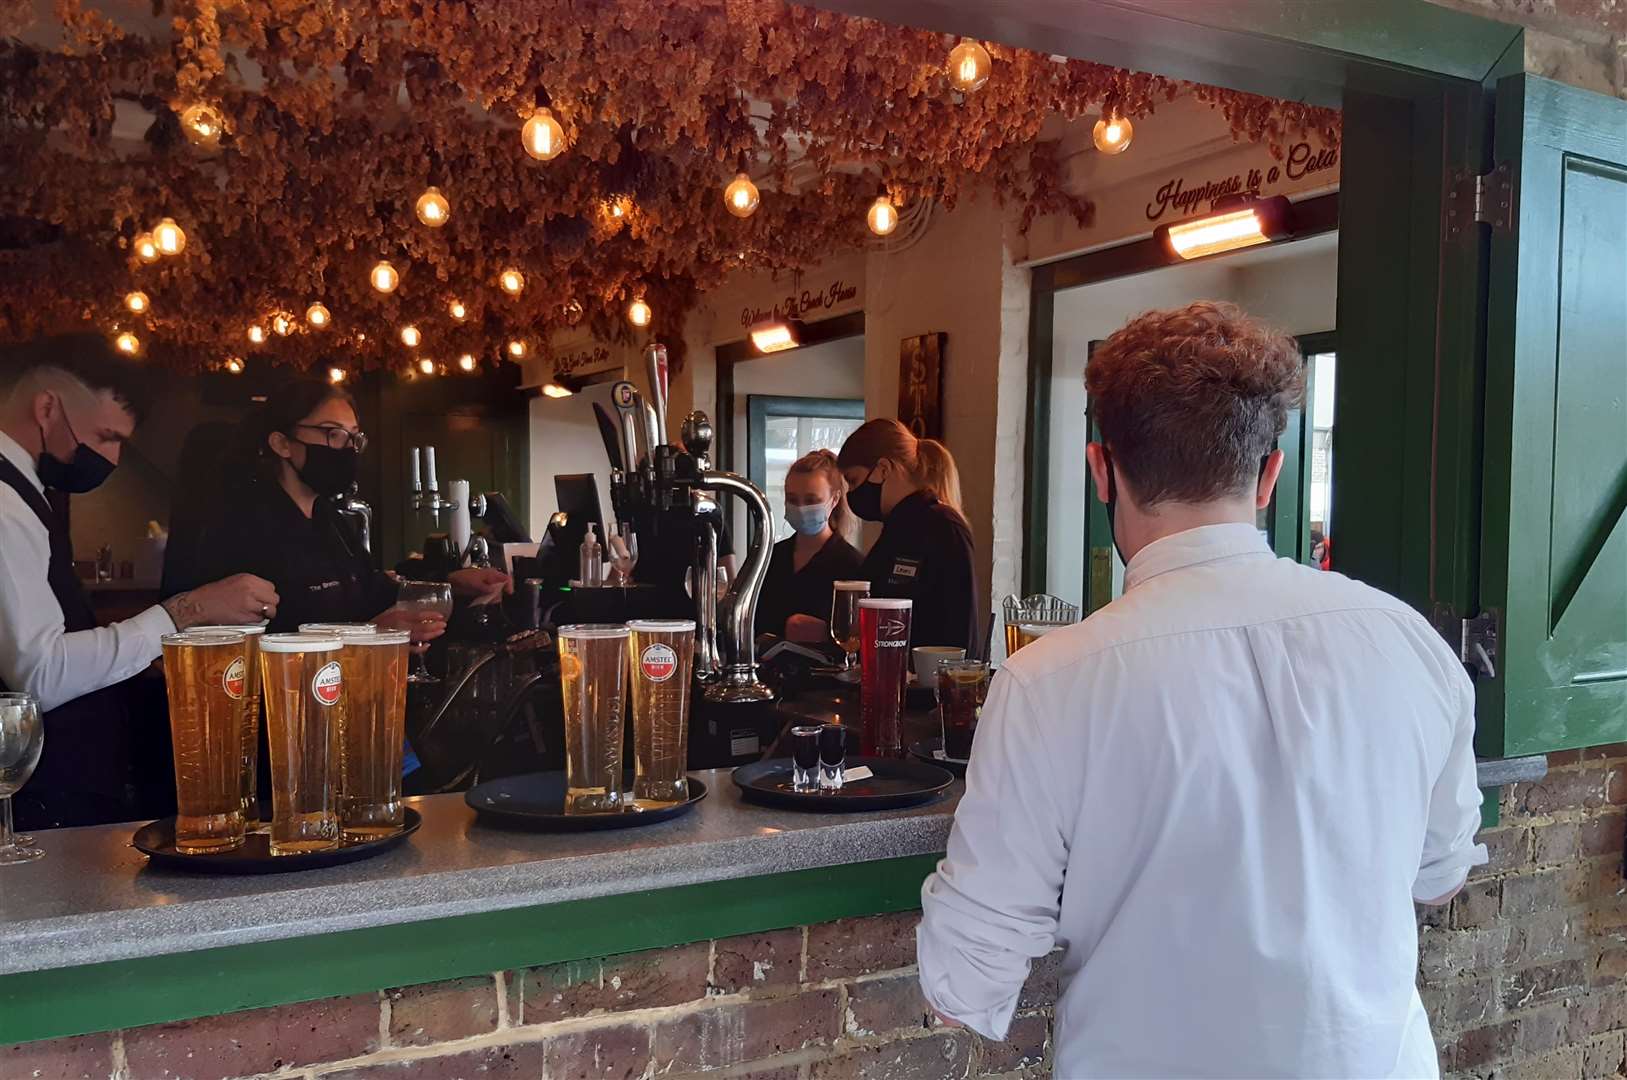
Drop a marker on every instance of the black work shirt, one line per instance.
(788, 591)
(317, 564)
(924, 554)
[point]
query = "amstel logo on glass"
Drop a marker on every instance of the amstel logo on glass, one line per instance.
(327, 684)
(658, 662)
(235, 678)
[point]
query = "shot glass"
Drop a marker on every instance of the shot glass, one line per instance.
(805, 757)
(832, 756)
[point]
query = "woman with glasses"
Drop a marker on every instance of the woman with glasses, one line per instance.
(281, 521)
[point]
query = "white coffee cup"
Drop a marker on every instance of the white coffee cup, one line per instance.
(926, 659)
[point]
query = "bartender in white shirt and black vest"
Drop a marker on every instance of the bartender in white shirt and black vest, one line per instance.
(924, 552)
(68, 405)
(1222, 793)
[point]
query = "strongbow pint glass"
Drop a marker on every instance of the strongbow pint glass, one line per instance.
(207, 681)
(884, 650)
(304, 686)
(660, 659)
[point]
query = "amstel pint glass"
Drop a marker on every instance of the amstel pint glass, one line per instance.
(206, 680)
(372, 729)
(304, 686)
(248, 787)
(884, 650)
(660, 659)
(592, 678)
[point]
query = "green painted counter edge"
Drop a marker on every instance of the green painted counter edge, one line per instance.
(129, 993)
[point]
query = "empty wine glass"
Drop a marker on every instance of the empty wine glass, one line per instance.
(415, 598)
(22, 736)
(18, 838)
(623, 554)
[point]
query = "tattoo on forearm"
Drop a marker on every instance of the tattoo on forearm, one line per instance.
(183, 610)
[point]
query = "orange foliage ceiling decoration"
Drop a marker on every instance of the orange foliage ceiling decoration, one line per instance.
(337, 116)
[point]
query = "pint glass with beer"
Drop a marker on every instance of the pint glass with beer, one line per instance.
(204, 676)
(372, 722)
(884, 650)
(303, 684)
(592, 678)
(660, 657)
(249, 762)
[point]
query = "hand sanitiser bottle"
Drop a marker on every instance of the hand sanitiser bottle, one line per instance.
(591, 561)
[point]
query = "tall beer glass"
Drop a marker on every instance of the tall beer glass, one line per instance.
(249, 762)
(844, 617)
(660, 659)
(304, 685)
(884, 649)
(592, 678)
(205, 680)
(372, 733)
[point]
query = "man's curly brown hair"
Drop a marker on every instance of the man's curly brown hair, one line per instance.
(1190, 400)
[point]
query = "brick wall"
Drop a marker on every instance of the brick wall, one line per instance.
(1525, 972)
(836, 1001)
(1581, 42)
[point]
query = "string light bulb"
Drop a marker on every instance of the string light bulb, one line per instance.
(282, 324)
(572, 312)
(336, 375)
(543, 136)
(202, 124)
(137, 301)
(466, 362)
(410, 337)
(516, 349)
(432, 208)
(318, 315)
(883, 216)
(457, 310)
(127, 343)
(146, 248)
(257, 334)
(741, 196)
(170, 237)
(384, 276)
(1112, 134)
(512, 281)
(969, 66)
(639, 312)
(234, 365)
(427, 366)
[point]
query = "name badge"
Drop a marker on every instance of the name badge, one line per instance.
(906, 569)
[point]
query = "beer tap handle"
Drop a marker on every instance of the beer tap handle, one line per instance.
(655, 366)
(624, 396)
(653, 428)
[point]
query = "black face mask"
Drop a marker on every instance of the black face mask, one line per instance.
(328, 471)
(1112, 503)
(86, 472)
(865, 499)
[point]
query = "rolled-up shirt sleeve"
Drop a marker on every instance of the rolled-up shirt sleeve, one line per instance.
(991, 907)
(1454, 812)
(37, 654)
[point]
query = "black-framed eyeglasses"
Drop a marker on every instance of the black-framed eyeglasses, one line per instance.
(339, 438)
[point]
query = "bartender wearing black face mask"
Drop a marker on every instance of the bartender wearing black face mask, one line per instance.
(67, 407)
(282, 523)
(924, 552)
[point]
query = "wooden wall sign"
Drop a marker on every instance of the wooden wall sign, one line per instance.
(920, 384)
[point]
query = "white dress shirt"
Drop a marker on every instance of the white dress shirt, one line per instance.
(36, 655)
(1220, 795)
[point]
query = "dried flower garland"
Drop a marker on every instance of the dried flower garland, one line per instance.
(337, 117)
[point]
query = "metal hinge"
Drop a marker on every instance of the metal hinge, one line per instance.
(1473, 639)
(1486, 199)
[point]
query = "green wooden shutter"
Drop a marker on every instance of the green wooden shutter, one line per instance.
(1554, 545)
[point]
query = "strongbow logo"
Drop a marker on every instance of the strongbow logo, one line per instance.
(234, 678)
(658, 662)
(327, 684)
(892, 628)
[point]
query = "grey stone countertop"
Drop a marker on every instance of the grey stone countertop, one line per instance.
(94, 899)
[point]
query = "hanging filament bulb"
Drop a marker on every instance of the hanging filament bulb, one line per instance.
(170, 237)
(572, 312)
(741, 196)
(202, 124)
(1112, 134)
(427, 366)
(257, 334)
(147, 248)
(466, 362)
(127, 343)
(137, 302)
(512, 281)
(336, 375)
(432, 208)
(384, 277)
(516, 349)
(543, 136)
(639, 313)
(282, 325)
(318, 315)
(457, 310)
(234, 365)
(410, 337)
(883, 216)
(969, 66)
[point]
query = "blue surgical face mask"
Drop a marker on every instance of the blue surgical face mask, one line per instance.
(808, 520)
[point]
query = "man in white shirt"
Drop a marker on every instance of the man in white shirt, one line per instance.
(1222, 793)
(67, 406)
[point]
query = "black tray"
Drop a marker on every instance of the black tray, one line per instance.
(536, 802)
(896, 784)
(924, 750)
(156, 840)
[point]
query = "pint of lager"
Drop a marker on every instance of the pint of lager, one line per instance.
(372, 730)
(207, 682)
(592, 678)
(248, 787)
(660, 657)
(304, 686)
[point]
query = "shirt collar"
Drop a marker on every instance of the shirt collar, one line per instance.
(1192, 548)
(12, 451)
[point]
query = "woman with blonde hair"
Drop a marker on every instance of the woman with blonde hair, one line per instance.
(796, 596)
(924, 553)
